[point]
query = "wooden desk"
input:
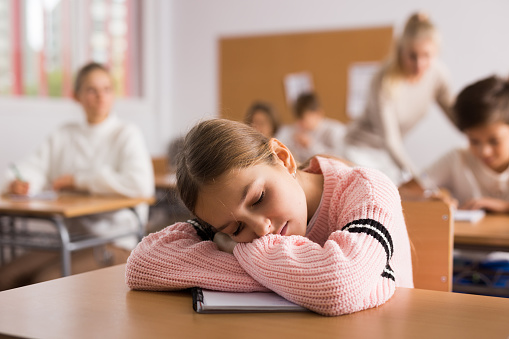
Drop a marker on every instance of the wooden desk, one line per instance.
(99, 305)
(489, 233)
(164, 177)
(56, 212)
(69, 205)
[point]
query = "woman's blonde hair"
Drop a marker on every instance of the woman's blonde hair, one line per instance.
(214, 147)
(417, 27)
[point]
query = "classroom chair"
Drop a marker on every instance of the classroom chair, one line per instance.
(430, 228)
(160, 165)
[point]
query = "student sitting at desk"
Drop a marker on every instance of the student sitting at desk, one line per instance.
(263, 118)
(102, 156)
(478, 177)
(326, 236)
(312, 133)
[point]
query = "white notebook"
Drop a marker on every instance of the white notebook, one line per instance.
(207, 301)
(469, 215)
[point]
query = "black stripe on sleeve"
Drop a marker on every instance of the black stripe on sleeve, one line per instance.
(204, 232)
(388, 273)
(378, 232)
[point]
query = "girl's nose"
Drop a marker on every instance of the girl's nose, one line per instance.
(261, 226)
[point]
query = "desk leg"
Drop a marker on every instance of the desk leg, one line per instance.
(2, 235)
(141, 231)
(12, 231)
(66, 240)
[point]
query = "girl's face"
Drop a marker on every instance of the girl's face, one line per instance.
(416, 57)
(96, 96)
(251, 202)
(490, 144)
(262, 123)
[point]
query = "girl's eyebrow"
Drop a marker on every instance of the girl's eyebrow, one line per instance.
(245, 191)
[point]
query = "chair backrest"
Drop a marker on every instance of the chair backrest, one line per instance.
(431, 232)
(160, 165)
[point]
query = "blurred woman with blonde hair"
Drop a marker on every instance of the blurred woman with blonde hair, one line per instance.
(400, 95)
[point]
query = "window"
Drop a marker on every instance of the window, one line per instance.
(43, 42)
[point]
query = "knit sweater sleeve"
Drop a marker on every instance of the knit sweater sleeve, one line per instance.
(176, 258)
(352, 270)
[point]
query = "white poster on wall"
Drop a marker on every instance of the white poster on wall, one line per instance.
(359, 81)
(296, 84)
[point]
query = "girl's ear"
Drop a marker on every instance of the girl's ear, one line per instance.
(283, 155)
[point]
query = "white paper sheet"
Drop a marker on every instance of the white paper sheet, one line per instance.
(359, 81)
(296, 84)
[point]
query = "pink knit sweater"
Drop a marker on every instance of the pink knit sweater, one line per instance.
(356, 251)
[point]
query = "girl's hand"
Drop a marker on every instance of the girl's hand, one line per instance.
(489, 204)
(224, 242)
(65, 182)
(19, 187)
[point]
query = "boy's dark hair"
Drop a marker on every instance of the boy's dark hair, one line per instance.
(483, 102)
(306, 102)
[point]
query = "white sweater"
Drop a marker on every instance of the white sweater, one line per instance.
(106, 159)
(466, 177)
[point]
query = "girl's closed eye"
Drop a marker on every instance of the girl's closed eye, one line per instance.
(240, 227)
(260, 199)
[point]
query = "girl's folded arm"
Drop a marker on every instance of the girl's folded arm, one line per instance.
(176, 258)
(337, 279)
(349, 273)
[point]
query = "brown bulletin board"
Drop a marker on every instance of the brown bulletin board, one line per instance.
(253, 68)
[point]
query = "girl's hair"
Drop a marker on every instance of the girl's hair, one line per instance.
(86, 70)
(214, 147)
(305, 102)
(265, 108)
(417, 27)
(483, 102)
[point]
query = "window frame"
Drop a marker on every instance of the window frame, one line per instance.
(129, 105)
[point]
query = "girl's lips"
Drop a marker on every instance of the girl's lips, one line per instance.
(284, 229)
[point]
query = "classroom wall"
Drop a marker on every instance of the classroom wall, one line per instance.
(26, 122)
(473, 46)
(182, 74)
